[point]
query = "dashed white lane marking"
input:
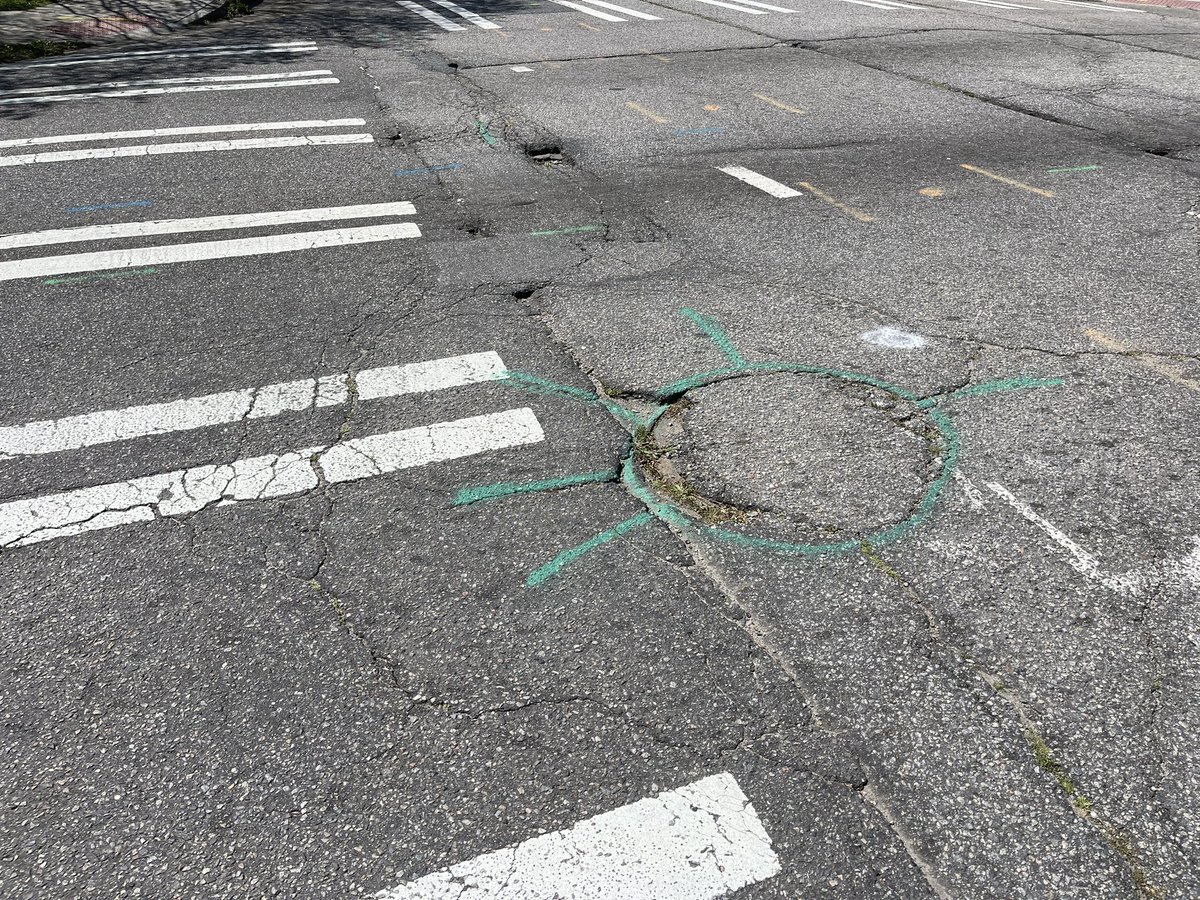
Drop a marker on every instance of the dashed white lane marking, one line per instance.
(293, 80)
(205, 250)
(271, 143)
(175, 53)
(623, 9)
(110, 425)
(119, 230)
(698, 842)
(762, 182)
(588, 11)
(95, 136)
(187, 491)
(194, 79)
(473, 18)
(441, 21)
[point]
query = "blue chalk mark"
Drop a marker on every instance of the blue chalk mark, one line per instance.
(99, 206)
(446, 167)
(711, 129)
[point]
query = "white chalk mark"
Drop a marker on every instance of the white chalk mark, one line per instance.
(187, 491)
(177, 132)
(180, 253)
(623, 9)
(176, 53)
(734, 7)
(588, 11)
(440, 21)
(473, 18)
(974, 495)
(192, 79)
(762, 182)
(270, 143)
(121, 230)
(111, 425)
(698, 842)
(157, 91)
(893, 338)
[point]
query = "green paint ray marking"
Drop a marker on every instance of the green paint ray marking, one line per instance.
(574, 229)
(716, 334)
(524, 381)
(1075, 169)
(488, 137)
(508, 488)
(564, 559)
(1020, 382)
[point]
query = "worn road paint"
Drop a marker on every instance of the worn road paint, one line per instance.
(762, 182)
(779, 104)
(851, 211)
(206, 250)
(590, 27)
(102, 276)
(1101, 7)
(931, 192)
(1076, 168)
(893, 338)
(148, 55)
(467, 496)
(192, 79)
(128, 204)
(624, 9)
(302, 124)
(190, 89)
(735, 8)
(973, 494)
(574, 229)
(648, 113)
(119, 230)
(472, 17)
(427, 170)
(187, 491)
(698, 842)
(438, 20)
(1151, 362)
(1009, 181)
(520, 68)
(482, 130)
(691, 132)
(268, 143)
(111, 425)
(587, 10)
(757, 4)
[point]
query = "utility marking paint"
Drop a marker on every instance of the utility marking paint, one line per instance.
(711, 107)
(779, 104)
(120, 230)
(111, 425)
(219, 50)
(207, 250)
(268, 143)
(931, 192)
(193, 89)
(128, 204)
(102, 276)
(187, 491)
(716, 334)
(427, 170)
(762, 182)
(735, 8)
(702, 841)
(192, 79)
(690, 132)
(1000, 385)
(502, 489)
(439, 20)
(1077, 168)
(1009, 181)
(1151, 362)
(176, 132)
(482, 131)
(587, 10)
(568, 556)
(474, 18)
(893, 338)
(624, 9)
(589, 26)
(851, 211)
(648, 113)
(573, 229)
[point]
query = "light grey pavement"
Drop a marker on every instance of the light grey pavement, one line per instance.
(423, 439)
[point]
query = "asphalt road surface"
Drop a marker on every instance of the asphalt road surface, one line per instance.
(648, 449)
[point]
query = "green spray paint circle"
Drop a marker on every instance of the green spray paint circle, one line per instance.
(672, 514)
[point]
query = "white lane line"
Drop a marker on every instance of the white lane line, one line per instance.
(306, 140)
(622, 9)
(742, 9)
(1100, 7)
(588, 11)
(473, 18)
(205, 250)
(762, 182)
(187, 491)
(997, 5)
(192, 89)
(173, 132)
(120, 230)
(699, 842)
(886, 4)
(111, 425)
(214, 50)
(195, 79)
(440, 21)
(767, 6)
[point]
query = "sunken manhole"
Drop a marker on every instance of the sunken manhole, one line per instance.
(793, 458)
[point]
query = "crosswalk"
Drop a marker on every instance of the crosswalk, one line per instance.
(444, 23)
(149, 56)
(61, 93)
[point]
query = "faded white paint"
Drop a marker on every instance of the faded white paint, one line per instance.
(178, 132)
(192, 79)
(588, 11)
(473, 18)
(271, 143)
(894, 338)
(176, 53)
(624, 9)
(441, 21)
(156, 91)
(698, 842)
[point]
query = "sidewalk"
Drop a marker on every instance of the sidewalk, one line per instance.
(98, 21)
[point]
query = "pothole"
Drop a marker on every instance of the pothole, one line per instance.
(793, 457)
(551, 156)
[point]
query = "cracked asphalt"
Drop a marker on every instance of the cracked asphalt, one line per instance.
(804, 398)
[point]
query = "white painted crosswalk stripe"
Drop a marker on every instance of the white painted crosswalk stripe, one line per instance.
(96, 136)
(762, 182)
(587, 10)
(440, 21)
(111, 425)
(699, 842)
(177, 53)
(742, 9)
(120, 230)
(1097, 7)
(586, 7)
(473, 18)
(183, 89)
(272, 143)
(193, 79)
(188, 491)
(767, 6)
(207, 250)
